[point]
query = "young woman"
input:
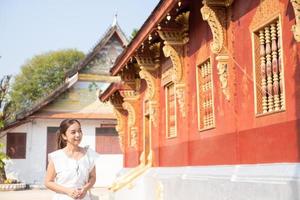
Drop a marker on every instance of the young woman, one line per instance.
(71, 169)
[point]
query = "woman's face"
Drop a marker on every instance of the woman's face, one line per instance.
(73, 134)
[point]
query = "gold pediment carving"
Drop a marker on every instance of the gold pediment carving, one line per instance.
(266, 11)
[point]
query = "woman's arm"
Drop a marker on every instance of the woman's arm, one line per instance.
(89, 184)
(50, 184)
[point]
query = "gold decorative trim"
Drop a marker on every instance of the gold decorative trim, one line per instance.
(177, 67)
(153, 112)
(96, 77)
(210, 16)
(225, 3)
(177, 76)
(266, 11)
(183, 19)
(296, 27)
(180, 95)
(128, 178)
(133, 137)
(150, 92)
(223, 74)
(120, 128)
(146, 62)
(131, 113)
(159, 191)
(129, 94)
(166, 76)
(155, 50)
(131, 124)
(177, 36)
(170, 134)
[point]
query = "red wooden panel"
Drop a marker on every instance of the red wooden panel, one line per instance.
(107, 141)
(16, 145)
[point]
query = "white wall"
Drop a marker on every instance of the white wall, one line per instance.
(32, 169)
(277, 181)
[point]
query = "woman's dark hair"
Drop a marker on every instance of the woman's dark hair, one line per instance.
(64, 125)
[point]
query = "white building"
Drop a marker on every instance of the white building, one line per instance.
(32, 135)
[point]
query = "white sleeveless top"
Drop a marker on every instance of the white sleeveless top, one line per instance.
(72, 173)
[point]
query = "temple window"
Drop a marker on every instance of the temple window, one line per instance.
(170, 102)
(269, 79)
(205, 97)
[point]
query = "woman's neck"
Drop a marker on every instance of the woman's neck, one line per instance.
(72, 148)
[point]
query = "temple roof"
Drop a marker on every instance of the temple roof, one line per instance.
(71, 78)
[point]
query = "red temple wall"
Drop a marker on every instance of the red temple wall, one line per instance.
(239, 136)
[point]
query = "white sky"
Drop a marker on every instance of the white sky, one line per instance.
(32, 27)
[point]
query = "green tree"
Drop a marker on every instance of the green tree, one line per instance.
(41, 75)
(4, 86)
(3, 157)
(133, 33)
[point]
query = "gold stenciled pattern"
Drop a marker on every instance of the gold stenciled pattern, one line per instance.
(170, 110)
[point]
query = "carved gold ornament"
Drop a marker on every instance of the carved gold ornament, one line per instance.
(150, 94)
(120, 128)
(150, 84)
(131, 124)
(210, 16)
(223, 74)
(177, 67)
(180, 98)
(296, 27)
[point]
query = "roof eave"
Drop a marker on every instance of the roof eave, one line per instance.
(157, 15)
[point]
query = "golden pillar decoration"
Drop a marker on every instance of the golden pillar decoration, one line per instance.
(296, 27)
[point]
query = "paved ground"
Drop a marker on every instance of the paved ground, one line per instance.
(43, 194)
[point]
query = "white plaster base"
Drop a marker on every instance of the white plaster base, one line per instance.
(238, 182)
